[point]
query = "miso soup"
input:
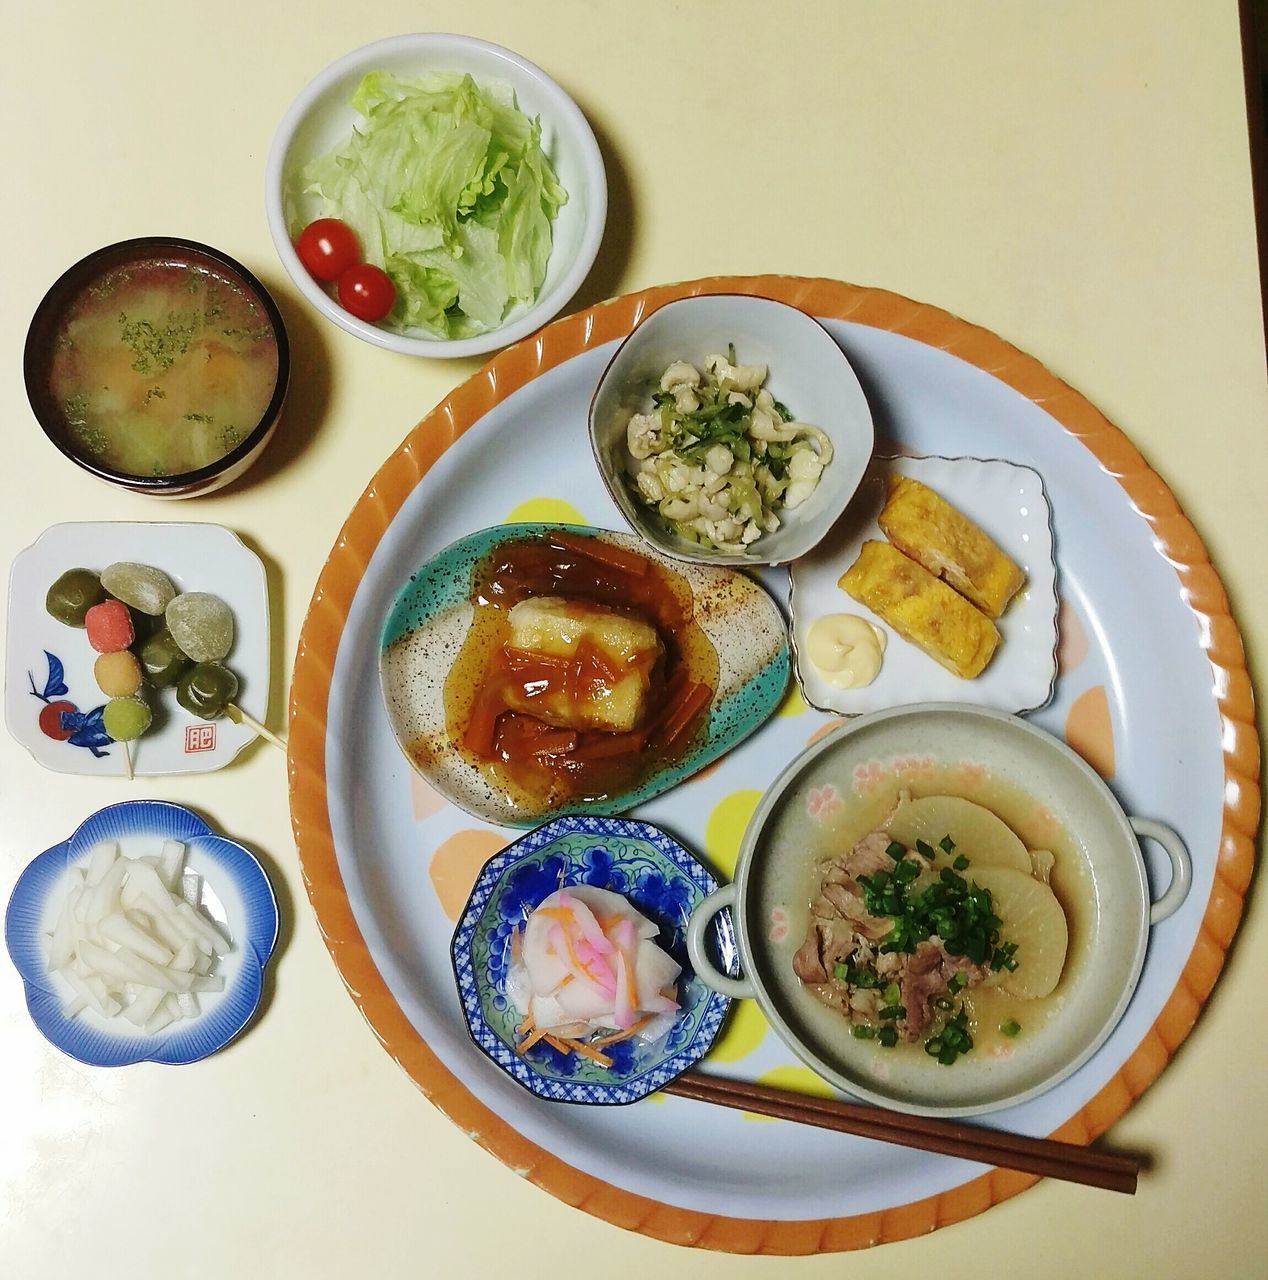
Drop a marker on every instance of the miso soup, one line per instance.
(162, 368)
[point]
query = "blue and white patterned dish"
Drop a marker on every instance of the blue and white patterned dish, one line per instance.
(660, 878)
(236, 894)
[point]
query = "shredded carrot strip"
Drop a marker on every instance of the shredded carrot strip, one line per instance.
(525, 1045)
(517, 658)
(618, 1036)
(694, 701)
(604, 552)
(611, 744)
(589, 1051)
(563, 1046)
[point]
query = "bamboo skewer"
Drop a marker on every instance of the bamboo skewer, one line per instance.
(238, 716)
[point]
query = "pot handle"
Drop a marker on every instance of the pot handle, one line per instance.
(1181, 867)
(697, 927)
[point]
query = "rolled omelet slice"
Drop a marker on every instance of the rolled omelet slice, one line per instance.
(922, 609)
(928, 529)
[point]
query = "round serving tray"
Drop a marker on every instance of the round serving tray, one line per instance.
(1173, 734)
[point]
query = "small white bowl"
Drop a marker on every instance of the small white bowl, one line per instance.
(807, 371)
(321, 118)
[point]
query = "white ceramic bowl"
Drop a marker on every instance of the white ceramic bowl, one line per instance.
(769, 899)
(807, 371)
(321, 118)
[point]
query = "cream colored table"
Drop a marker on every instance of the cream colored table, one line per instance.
(1073, 176)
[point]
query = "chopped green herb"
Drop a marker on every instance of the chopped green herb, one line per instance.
(925, 849)
(1010, 1027)
(896, 850)
(946, 844)
(891, 1013)
(888, 1036)
(840, 971)
(892, 993)
(960, 863)
(861, 1031)
(155, 349)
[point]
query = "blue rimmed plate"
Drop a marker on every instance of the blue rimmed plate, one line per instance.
(236, 894)
(429, 619)
(660, 878)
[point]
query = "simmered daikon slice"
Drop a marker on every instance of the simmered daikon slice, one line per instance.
(1031, 917)
(979, 835)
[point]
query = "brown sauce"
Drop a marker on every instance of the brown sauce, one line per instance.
(538, 762)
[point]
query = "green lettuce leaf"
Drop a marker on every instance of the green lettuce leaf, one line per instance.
(446, 184)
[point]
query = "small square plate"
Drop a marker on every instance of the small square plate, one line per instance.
(47, 662)
(1009, 503)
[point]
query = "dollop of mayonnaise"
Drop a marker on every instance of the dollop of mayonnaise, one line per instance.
(845, 649)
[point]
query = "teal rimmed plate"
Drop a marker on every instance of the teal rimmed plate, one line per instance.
(428, 621)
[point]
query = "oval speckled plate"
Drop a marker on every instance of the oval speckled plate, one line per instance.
(429, 619)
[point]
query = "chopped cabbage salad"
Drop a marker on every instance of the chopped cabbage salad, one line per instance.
(446, 184)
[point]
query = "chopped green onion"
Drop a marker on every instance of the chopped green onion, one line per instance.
(960, 863)
(861, 1031)
(946, 844)
(1010, 1027)
(888, 1036)
(891, 1013)
(892, 993)
(924, 848)
(840, 972)
(896, 850)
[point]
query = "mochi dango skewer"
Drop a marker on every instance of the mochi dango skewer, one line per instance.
(201, 626)
(207, 690)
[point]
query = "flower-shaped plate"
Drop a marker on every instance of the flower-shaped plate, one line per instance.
(236, 894)
(658, 877)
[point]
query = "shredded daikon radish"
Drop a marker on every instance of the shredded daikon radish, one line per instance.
(132, 940)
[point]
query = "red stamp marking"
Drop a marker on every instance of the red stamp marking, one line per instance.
(200, 737)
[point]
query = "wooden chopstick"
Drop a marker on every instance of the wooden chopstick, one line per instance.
(1041, 1156)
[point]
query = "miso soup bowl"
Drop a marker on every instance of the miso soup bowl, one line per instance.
(858, 765)
(150, 251)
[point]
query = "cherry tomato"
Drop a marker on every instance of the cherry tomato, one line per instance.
(51, 720)
(366, 292)
(327, 248)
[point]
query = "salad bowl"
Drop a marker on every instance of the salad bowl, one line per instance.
(322, 117)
